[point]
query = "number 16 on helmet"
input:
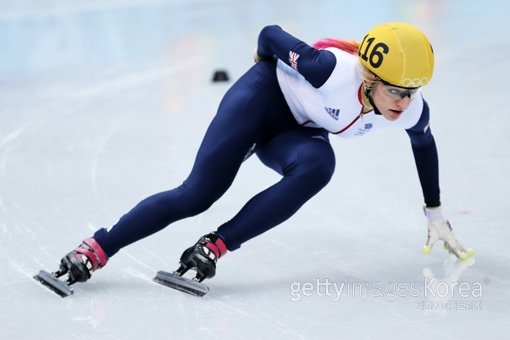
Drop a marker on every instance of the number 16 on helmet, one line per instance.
(398, 53)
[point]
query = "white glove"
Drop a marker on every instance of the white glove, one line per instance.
(439, 229)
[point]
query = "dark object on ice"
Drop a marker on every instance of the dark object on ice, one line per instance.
(220, 76)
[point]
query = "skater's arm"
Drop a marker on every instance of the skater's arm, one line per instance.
(425, 156)
(315, 65)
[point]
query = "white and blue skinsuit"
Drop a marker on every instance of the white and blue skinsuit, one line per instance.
(287, 105)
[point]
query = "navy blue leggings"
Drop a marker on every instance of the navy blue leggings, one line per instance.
(252, 112)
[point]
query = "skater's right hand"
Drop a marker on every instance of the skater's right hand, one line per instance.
(439, 228)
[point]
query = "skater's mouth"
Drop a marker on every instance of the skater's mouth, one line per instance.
(393, 114)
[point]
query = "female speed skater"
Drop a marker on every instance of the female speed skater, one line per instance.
(283, 109)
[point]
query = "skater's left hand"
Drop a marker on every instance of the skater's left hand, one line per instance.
(256, 57)
(439, 229)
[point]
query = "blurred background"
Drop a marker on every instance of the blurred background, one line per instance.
(103, 103)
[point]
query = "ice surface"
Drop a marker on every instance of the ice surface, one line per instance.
(103, 103)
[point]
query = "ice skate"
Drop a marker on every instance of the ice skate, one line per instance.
(78, 265)
(81, 262)
(202, 258)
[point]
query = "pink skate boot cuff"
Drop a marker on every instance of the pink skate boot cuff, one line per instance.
(219, 248)
(100, 254)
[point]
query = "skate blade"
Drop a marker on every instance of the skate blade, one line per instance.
(59, 287)
(183, 284)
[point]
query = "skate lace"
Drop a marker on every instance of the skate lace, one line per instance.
(208, 251)
(212, 246)
(84, 252)
(87, 255)
(86, 261)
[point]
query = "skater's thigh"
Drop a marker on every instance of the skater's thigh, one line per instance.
(238, 124)
(297, 149)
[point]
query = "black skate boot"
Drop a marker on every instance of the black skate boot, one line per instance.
(81, 262)
(203, 256)
(78, 265)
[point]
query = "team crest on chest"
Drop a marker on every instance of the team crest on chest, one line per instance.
(364, 129)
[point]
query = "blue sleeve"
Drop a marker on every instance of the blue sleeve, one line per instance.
(313, 64)
(425, 157)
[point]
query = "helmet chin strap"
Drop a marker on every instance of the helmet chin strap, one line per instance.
(369, 96)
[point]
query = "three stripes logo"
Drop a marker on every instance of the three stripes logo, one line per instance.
(334, 113)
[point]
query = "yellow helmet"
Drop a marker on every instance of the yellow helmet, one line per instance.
(399, 54)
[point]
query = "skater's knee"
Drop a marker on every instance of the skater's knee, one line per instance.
(200, 203)
(324, 171)
(178, 203)
(319, 172)
(316, 165)
(197, 198)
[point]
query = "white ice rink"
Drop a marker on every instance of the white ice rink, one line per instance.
(104, 102)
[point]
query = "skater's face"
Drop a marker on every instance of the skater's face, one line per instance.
(391, 101)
